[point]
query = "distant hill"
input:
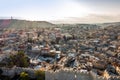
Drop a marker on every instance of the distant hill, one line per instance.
(90, 26)
(109, 24)
(14, 23)
(21, 24)
(80, 26)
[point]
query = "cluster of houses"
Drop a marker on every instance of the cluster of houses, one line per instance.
(96, 50)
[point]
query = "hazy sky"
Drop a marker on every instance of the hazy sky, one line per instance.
(62, 10)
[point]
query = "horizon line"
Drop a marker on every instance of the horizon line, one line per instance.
(57, 22)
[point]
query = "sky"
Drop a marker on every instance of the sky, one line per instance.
(62, 11)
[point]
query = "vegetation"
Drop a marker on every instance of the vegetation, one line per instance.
(24, 76)
(40, 75)
(20, 60)
(19, 24)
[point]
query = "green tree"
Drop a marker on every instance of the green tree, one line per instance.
(19, 60)
(40, 75)
(24, 76)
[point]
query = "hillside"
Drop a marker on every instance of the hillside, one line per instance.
(80, 26)
(14, 23)
(89, 26)
(20, 24)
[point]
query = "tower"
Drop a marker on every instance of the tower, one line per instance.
(11, 17)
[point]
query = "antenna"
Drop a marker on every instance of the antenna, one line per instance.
(11, 17)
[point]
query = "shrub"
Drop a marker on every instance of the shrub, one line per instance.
(19, 60)
(40, 75)
(24, 76)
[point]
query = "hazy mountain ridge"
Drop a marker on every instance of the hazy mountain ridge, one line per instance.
(91, 26)
(14, 23)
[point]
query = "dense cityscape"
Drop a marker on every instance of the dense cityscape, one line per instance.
(79, 47)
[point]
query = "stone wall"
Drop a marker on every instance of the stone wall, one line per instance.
(75, 75)
(17, 70)
(64, 74)
(72, 75)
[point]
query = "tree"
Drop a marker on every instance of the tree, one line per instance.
(20, 60)
(24, 76)
(40, 75)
